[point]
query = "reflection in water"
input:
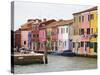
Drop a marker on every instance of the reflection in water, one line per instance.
(59, 63)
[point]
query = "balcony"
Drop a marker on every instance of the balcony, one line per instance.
(35, 31)
(35, 39)
(94, 35)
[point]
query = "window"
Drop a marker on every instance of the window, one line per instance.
(91, 44)
(91, 16)
(37, 35)
(74, 19)
(52, 33)
(88, 31)
(62, 30)
(74, 32)
(79, 32)
(58, 31)
(33, 35)
(88, 17)
(82, 18)
(24, 42)
(66, 30)
(88, 44)
(65, 43)
(82, 31)
(59, 42)
(33, 27)
(82, 44)
(91, 30)
(78, 45)
(49, 33)
(95, 47)
(73, 44)
(79, 18)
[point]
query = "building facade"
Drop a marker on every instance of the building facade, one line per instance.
(35, 34)
(85, 23)
(76, 36)
(52, 35)
(42, 37)
(17, 34)
(45, 34)
(64, 41)
(94, 30)
(26, 34)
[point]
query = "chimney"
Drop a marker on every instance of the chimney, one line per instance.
(37, 20)
(44, 20)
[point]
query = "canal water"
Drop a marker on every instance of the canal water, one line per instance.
(59, 63)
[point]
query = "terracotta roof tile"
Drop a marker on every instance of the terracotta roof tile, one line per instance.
(25, 25)
(60, 23)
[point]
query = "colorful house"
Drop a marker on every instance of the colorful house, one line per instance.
(35, 34)
(18, 38)
(76, 36)
(64, 42)
(26, 34)
(48, 35)
(43, 38)
(94, 30)
(52, 30)
(85, 23)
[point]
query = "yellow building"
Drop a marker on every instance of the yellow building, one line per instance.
(76, 36)
(94, 30)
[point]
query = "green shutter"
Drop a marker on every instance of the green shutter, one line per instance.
(91, 44)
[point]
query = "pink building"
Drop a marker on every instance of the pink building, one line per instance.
(26, 30)
(84, 32)
(24, 38)
(42, 39)
(42, 36)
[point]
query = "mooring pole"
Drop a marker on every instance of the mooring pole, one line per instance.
(45, 55)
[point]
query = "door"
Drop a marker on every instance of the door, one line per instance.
(85, 48)
(95, 47)
(76, 47)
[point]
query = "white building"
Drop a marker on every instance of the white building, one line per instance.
(64, 41)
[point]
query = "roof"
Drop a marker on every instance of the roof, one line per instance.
(60, 23)
(27, 26)
(46, 23)
(87, 10)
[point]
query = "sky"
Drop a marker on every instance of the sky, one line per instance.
(31, 10)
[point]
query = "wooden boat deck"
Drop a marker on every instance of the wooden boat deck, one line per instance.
(23, 59)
